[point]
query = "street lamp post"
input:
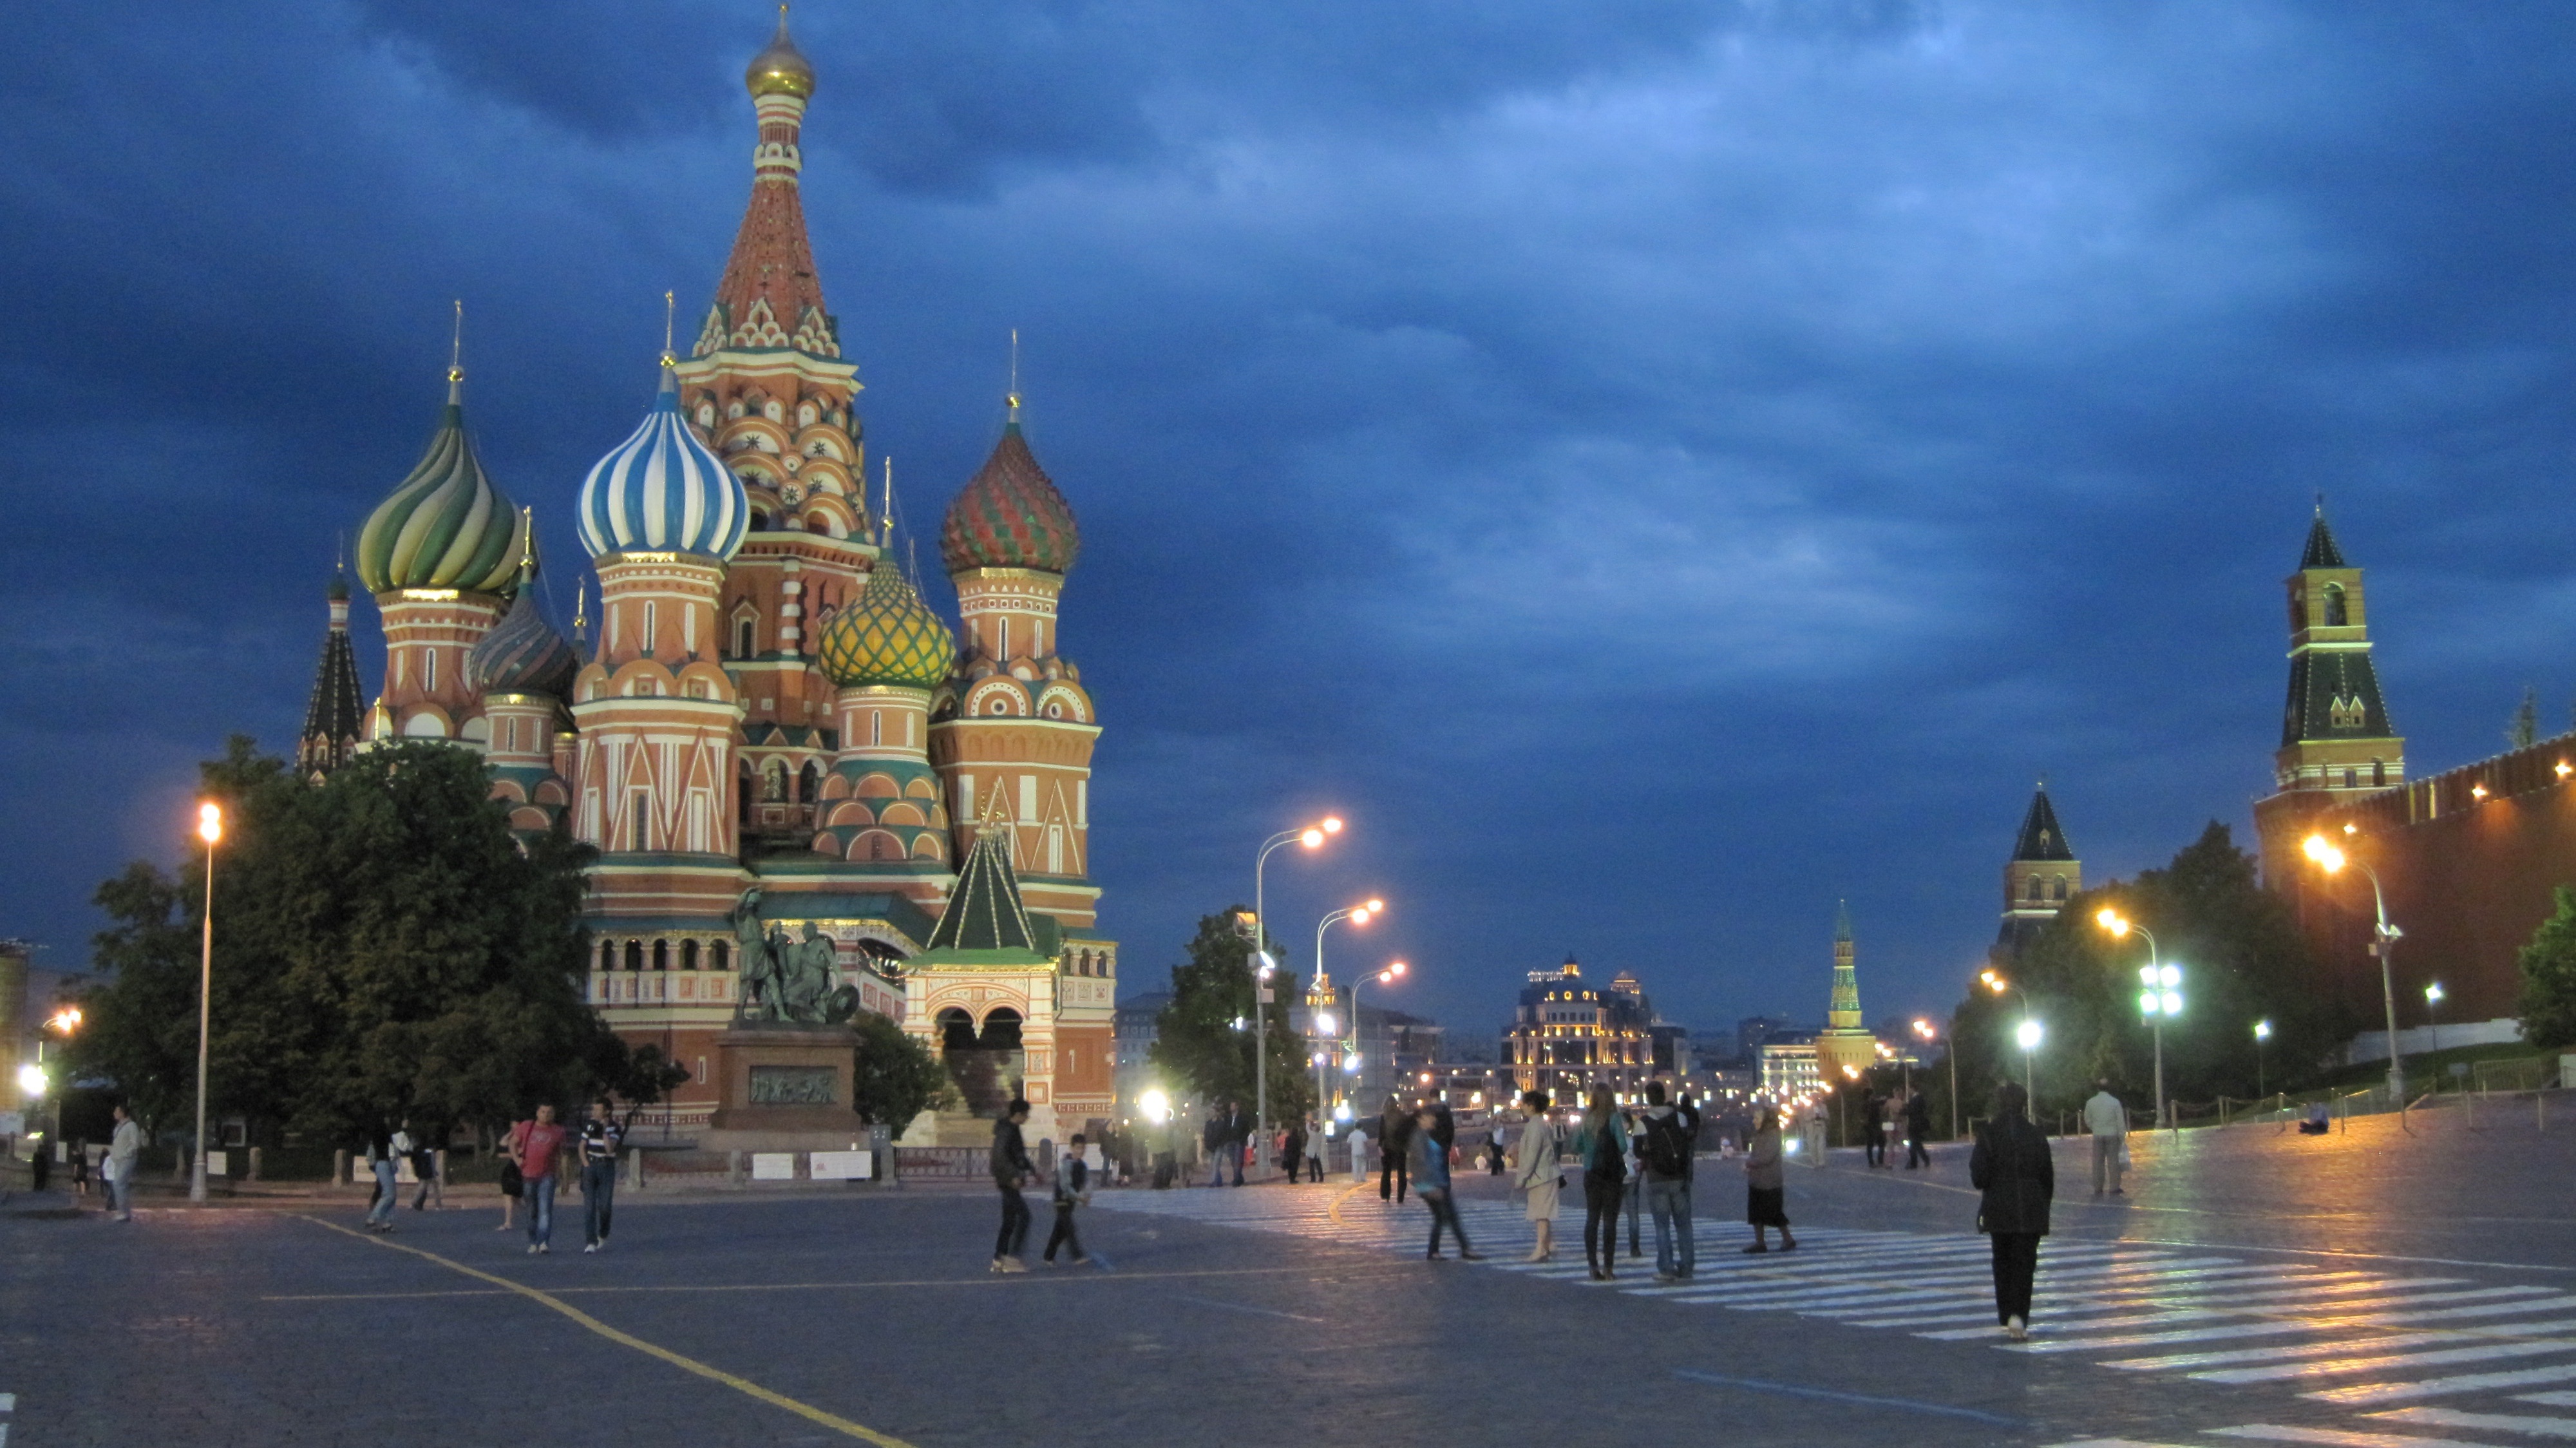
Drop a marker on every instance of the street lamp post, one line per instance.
(2161, 998)
(2433, 1018)
(2027, 1033)
(210, 828)
(2330, 859)
(1387, 976)
(2262, 1033)
(1925, 1029)
(1312, 837)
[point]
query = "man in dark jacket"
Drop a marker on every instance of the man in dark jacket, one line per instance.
(1394, 1138)
(1238, 1132)
(1214, 1138)
(1918, 1125)
(1012, 1170)
(2012, 1168)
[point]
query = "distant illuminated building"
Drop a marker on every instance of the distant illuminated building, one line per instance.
(1567, 1037)
(1844, 1048)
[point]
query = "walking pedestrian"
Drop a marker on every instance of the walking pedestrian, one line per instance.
(1359, 1156)
(1663, 1155)
(1873, 1129)
(1317, 1141)
(381, 1151)
(1686, 1116)
(1918, 1126)
(2108, 1120)
(1431, 1183)
(1602, 1143)
(533, 1145)
(1238, 1136)
(124, 1149)
(1072, 1189)
(2011, 1168)
(1292, 1149)
(1213, 1138)
(1766, 1185)
(1394, 1136)
(1011, 1170)
(601, 1137)
(424, 1169)
(1538, 1179)
(514, 1187)
(80, 1169)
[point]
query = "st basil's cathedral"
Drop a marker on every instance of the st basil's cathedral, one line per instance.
(766, 732)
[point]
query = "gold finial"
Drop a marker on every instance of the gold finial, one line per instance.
(581, 609)
(1015, 374)
(885, 512)
(456, 358)
(527, 545)
(669, 357)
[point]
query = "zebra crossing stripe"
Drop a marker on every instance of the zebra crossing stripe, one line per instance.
(2172, 1361)
(2499, 1422)
(2337, 1319)
(2192, 1288)
(2340, 1437)
(2548, 1400)
(2361, 1393)
(2333, 1367)
(2113, 1443)
(2094, 1304)
(1946, 1285)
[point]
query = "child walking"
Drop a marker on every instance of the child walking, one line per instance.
(1072, 1189)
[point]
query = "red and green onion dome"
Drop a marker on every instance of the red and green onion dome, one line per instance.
(445, 526)
(887, 635)
(522, 654)
(1010, 516)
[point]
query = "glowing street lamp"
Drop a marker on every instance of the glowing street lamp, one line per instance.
(2262, 1033)
(1351, 1064)
(210, 828)
(1359, 914)
(1931, 1033)
(2161, 997)
(2433, 1017)
(31, 1080)
(1311, 837)
(2027, 1034)
(2330, 859)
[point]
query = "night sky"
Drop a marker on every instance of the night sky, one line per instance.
(1655, 468)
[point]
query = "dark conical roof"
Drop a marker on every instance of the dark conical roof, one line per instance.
(2041, 839)
(331, 719)
(2321, 551)
(984, 911)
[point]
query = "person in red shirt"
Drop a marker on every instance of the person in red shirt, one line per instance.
(533, 1145)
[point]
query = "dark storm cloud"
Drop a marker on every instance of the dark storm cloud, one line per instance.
(1659, 468)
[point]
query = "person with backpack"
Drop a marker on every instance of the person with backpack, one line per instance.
(1072, 1189)
(2012, 1170)
(1602, 1143)
(1538, 1178)
(1663, 1156)
(1765, 1184)
(1012, 1168)
(601, 1137)
(424, 1168)
(1394, 1135)
(1431, 1183)
(1686, 1112)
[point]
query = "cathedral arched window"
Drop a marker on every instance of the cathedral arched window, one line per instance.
(745, 637)
(774, 782)
(2032, 890)
(809, 782)
(661, 955)
(2378, 773)
(2057, 889)
(724, 956)
(635, 955)
(608, 955)
(688, 955)
(2335, 616)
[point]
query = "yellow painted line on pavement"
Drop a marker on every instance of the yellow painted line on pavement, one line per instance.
(744, 1386)
(1033, 1280)
(1335, 1210)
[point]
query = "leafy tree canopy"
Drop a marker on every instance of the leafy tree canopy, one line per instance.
(898, 1077)
(384, 947)
(1199, 1046)
(2548, 1006)
(2242, 958)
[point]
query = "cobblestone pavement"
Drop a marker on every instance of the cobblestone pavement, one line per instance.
(2380, 1290)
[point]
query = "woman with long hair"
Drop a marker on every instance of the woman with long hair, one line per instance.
(1538, 1179)
(2012, 1170)
(1602, 1143)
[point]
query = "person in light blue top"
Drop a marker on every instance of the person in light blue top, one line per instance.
(1601, 1143)
(1430, 1170)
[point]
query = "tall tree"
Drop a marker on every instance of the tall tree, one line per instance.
(898, 1077)
(2524, 731)
(2548, 1005)
(384, 947)
(1205, 1037)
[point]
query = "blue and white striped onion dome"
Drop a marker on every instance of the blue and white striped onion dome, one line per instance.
(662, 490)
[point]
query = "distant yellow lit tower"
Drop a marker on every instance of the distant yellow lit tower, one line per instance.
(1844, 1041)
(2336, 742)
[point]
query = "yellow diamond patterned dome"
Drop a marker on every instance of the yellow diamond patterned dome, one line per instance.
(888, 636)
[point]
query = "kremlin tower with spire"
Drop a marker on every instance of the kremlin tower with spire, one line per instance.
(769, 736)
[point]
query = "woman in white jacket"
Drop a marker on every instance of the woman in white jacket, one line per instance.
(1537, 1178)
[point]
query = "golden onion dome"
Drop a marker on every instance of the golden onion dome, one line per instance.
(887, 635)
(781, 69)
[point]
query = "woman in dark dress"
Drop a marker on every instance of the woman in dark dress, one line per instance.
(2012, 1168)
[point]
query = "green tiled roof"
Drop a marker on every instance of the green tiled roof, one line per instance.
(985, 923)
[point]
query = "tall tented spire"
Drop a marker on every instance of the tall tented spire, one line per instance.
(2337, 743)
(770, 298)
(2321, 551)
(1844, 1049)
(334, 720)
(2040, 838)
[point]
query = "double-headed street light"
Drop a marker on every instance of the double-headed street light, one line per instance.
(2161, 997)
(2330, 859)
(2027, 1035)
(1312, 837)
(210, 828)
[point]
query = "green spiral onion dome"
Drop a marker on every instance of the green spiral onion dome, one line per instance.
(888, 636)
(445, 526)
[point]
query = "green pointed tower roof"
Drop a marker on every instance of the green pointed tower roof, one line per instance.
(985, 923)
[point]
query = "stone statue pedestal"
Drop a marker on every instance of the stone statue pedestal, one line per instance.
(782, 1086)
